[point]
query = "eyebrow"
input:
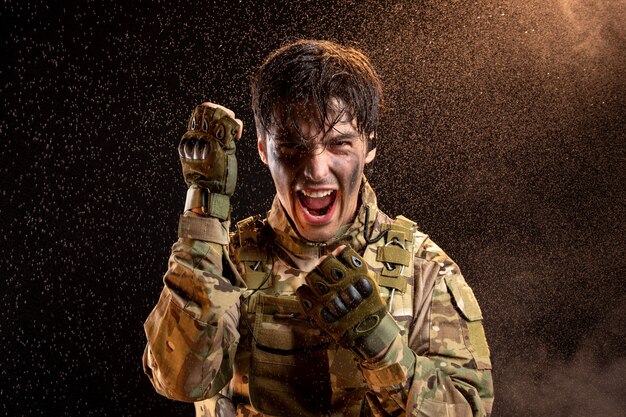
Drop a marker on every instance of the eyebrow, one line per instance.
(343, 136)
(287, 137)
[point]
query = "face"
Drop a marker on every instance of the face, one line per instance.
(317, 179)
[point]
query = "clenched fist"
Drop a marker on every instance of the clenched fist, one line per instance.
(207, 155)
(343, 299)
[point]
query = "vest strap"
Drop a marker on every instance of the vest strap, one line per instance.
(396, 254)
(254, 259)
(208, 229)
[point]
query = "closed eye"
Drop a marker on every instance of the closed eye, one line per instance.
(291, 145)
(291, 149)
(342, 141)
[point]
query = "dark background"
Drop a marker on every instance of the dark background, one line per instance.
(503, 138)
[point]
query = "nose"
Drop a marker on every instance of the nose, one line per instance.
(317, 164)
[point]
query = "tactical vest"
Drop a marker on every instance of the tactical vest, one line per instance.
(284, 364)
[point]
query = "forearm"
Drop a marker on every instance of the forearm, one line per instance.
(187, 360)
(197, 281)
(192, 332)
(404, 383)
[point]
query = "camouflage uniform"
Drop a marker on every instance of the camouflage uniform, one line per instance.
(228, 323)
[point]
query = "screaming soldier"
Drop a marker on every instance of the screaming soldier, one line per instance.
(326, 306)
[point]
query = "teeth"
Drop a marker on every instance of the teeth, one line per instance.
(317, 194)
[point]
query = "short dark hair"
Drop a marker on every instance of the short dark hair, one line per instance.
(311, 73)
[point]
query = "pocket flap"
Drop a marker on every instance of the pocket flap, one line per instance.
(464, 297)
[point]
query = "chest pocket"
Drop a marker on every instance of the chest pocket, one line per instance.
(289, 373)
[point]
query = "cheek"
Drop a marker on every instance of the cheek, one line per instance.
(355, 175)
(282, 170)
(282, 162)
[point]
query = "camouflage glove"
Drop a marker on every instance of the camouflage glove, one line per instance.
(343, 300)
(207, 155)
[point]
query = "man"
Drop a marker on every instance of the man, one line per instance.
(327, 306)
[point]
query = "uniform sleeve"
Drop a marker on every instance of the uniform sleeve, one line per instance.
(445, 369)
(192, 332)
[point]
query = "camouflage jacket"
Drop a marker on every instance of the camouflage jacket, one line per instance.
(228, 323)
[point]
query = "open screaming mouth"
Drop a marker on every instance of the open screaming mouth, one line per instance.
(317, 203)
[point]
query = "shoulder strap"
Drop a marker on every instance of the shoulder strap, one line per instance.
(393, 257)
(251, 253)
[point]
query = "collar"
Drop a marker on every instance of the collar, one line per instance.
(305, 254)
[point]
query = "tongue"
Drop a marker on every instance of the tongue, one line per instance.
(316, 203)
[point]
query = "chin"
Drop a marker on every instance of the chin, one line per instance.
(318, 236)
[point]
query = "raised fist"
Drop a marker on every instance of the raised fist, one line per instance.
(207, 149)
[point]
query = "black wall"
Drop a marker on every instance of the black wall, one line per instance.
(503, 138)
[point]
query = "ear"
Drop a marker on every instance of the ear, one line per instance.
(261, 147)
(371, 154)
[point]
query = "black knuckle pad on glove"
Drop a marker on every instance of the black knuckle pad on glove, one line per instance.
(327, 316)
(364, 287)
(350, 296)
(332, 269)
(306, 297)
(352, 260)
(337, 307)
(202, 149)
(316, 283)
(321, 287)
(181, 147)
(337, 274)
(189, 145)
